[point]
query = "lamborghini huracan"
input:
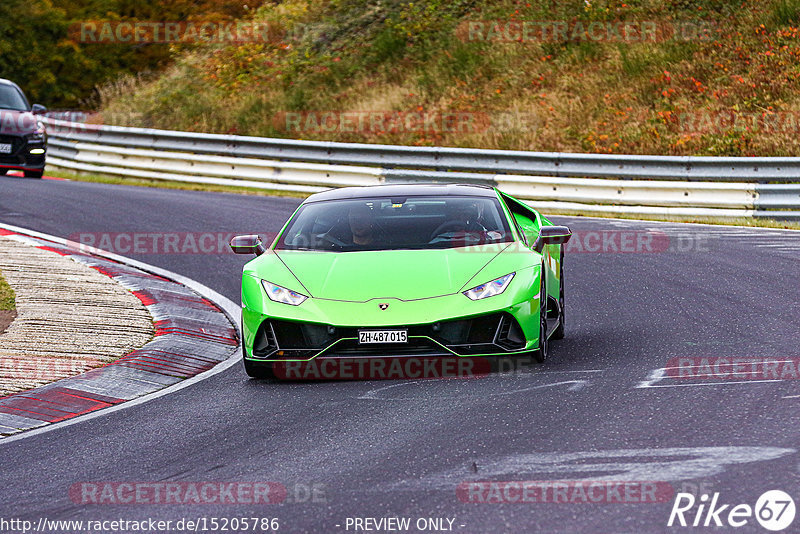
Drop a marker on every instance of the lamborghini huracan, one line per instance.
(403, 270)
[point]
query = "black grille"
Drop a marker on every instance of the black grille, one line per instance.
(494, 333)
(510, 335)
(16, 143)
(301, 335)
(264, 344)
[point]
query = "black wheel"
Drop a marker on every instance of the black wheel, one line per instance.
(256, 369)
(558, 333)
(33, 174)
(540, 354)
(3, 172)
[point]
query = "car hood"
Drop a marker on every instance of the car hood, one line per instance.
(399, 274)
(17, 122)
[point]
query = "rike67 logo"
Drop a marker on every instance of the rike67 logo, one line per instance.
(774, 510)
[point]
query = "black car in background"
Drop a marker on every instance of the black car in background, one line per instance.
(23, 139)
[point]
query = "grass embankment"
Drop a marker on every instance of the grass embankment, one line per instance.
(7, 297)
(670, 95)
(7, 304)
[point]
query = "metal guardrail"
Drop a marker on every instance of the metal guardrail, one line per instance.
(218, 170)
(662, 185)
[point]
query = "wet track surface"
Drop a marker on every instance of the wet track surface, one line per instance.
(599, 408)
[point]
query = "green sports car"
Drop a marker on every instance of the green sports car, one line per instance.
(426, 270)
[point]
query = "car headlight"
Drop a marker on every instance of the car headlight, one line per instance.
(281, 294)
(489, 289)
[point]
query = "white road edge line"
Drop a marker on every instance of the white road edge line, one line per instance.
(740, 361)
(228, 307)
(726, 383)
(657, 375)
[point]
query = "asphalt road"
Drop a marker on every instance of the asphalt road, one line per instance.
(370, 450)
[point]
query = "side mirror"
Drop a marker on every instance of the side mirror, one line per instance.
(248, 244)
(38, 109)
(551, 235)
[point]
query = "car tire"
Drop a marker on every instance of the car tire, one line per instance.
(3, 172)
(256, 369)
(540, 354)
(33, 174)
(558, 333)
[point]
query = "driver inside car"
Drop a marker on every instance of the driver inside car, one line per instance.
(461, 217)
(362, 224)
(359, 230)
(467, 214)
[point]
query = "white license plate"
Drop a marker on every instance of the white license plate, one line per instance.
(5, 148)
(382, 336)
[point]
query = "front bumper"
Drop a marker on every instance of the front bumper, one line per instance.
(20, 158)
(449, 325)
(493, 334)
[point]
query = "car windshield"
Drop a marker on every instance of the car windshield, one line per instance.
(419, 222)
(10, 98)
